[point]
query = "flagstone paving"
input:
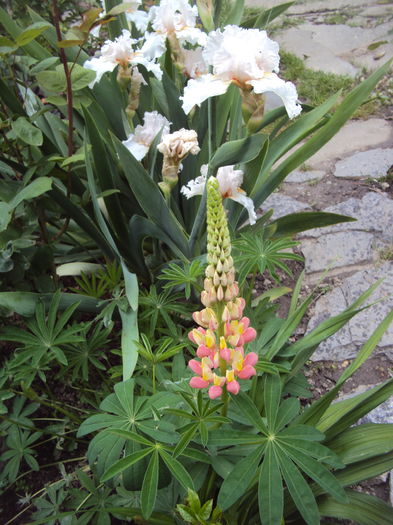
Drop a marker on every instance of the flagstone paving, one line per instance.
(352, 175)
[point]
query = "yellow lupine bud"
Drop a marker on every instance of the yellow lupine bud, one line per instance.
(230, 375)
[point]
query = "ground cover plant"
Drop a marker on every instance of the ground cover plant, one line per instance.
(136, 153)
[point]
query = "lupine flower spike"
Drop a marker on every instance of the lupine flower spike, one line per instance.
(223, 330)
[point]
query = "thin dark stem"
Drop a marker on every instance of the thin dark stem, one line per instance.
(63, 58)
(70, 141)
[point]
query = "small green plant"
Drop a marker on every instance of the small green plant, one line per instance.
(43, 342)
(197, 514)
(99, 283)
(184, 277)
(158, 309)
(254, 254)
(89, 354)
(386, 253)
(18, 445)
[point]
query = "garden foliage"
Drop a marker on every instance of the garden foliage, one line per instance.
(144, 165)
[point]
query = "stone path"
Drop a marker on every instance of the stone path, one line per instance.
(348, 176)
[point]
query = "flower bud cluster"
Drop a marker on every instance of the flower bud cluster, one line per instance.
(223, 330)
(175, 147)
(220, 284)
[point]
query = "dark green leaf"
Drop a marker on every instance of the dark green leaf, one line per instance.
(361, 509)
(28, 133)
(248, 409)
(303, 221)
(299, 490)
(270, 490)
(177, 469)
(149, 486)
(124, 463)
(237, 151)
(31, 32)
(237, 482)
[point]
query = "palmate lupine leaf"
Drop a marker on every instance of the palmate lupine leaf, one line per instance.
(290, 455)
(18, 444)
(46, 338)
(185, 276)
(159, 308)
(120, 410)
(255, 254)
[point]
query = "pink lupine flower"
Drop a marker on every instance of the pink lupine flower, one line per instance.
(251, 359)
(198, 382)
(215, 391)
(233, 387)
(247, 372)
(195, 366)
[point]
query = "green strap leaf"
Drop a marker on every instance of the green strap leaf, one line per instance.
(362, 509)
(303, 221)
(124, 463)
(129, 341)
(133, 436)
(272, 396)
(317, 472)
(150, 197)
(237, 151)
(363, 442)
(177, 469)
(348, 106)
(250, 411)
(149, 486)
(237, 482)
(299, 489)
(342, 415)
(361, 470)
(262, 20)
(270, 490)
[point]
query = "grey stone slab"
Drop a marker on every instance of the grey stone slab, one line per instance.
(305, 45)
(342, 39)
(381, 414)
(347, 341)
(373, 163)
(311, 6)
(283, 205)
(377, 10)
(374, 213)
(304, 176)
(371, 60)
(366, 321)
(354, 136)
(330, 305)
(337, 250)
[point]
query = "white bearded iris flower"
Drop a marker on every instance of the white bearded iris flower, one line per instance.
(121, 52)
(174, 18)
(245, 57)
(138, 143)
(137, 17)
(230, 181)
